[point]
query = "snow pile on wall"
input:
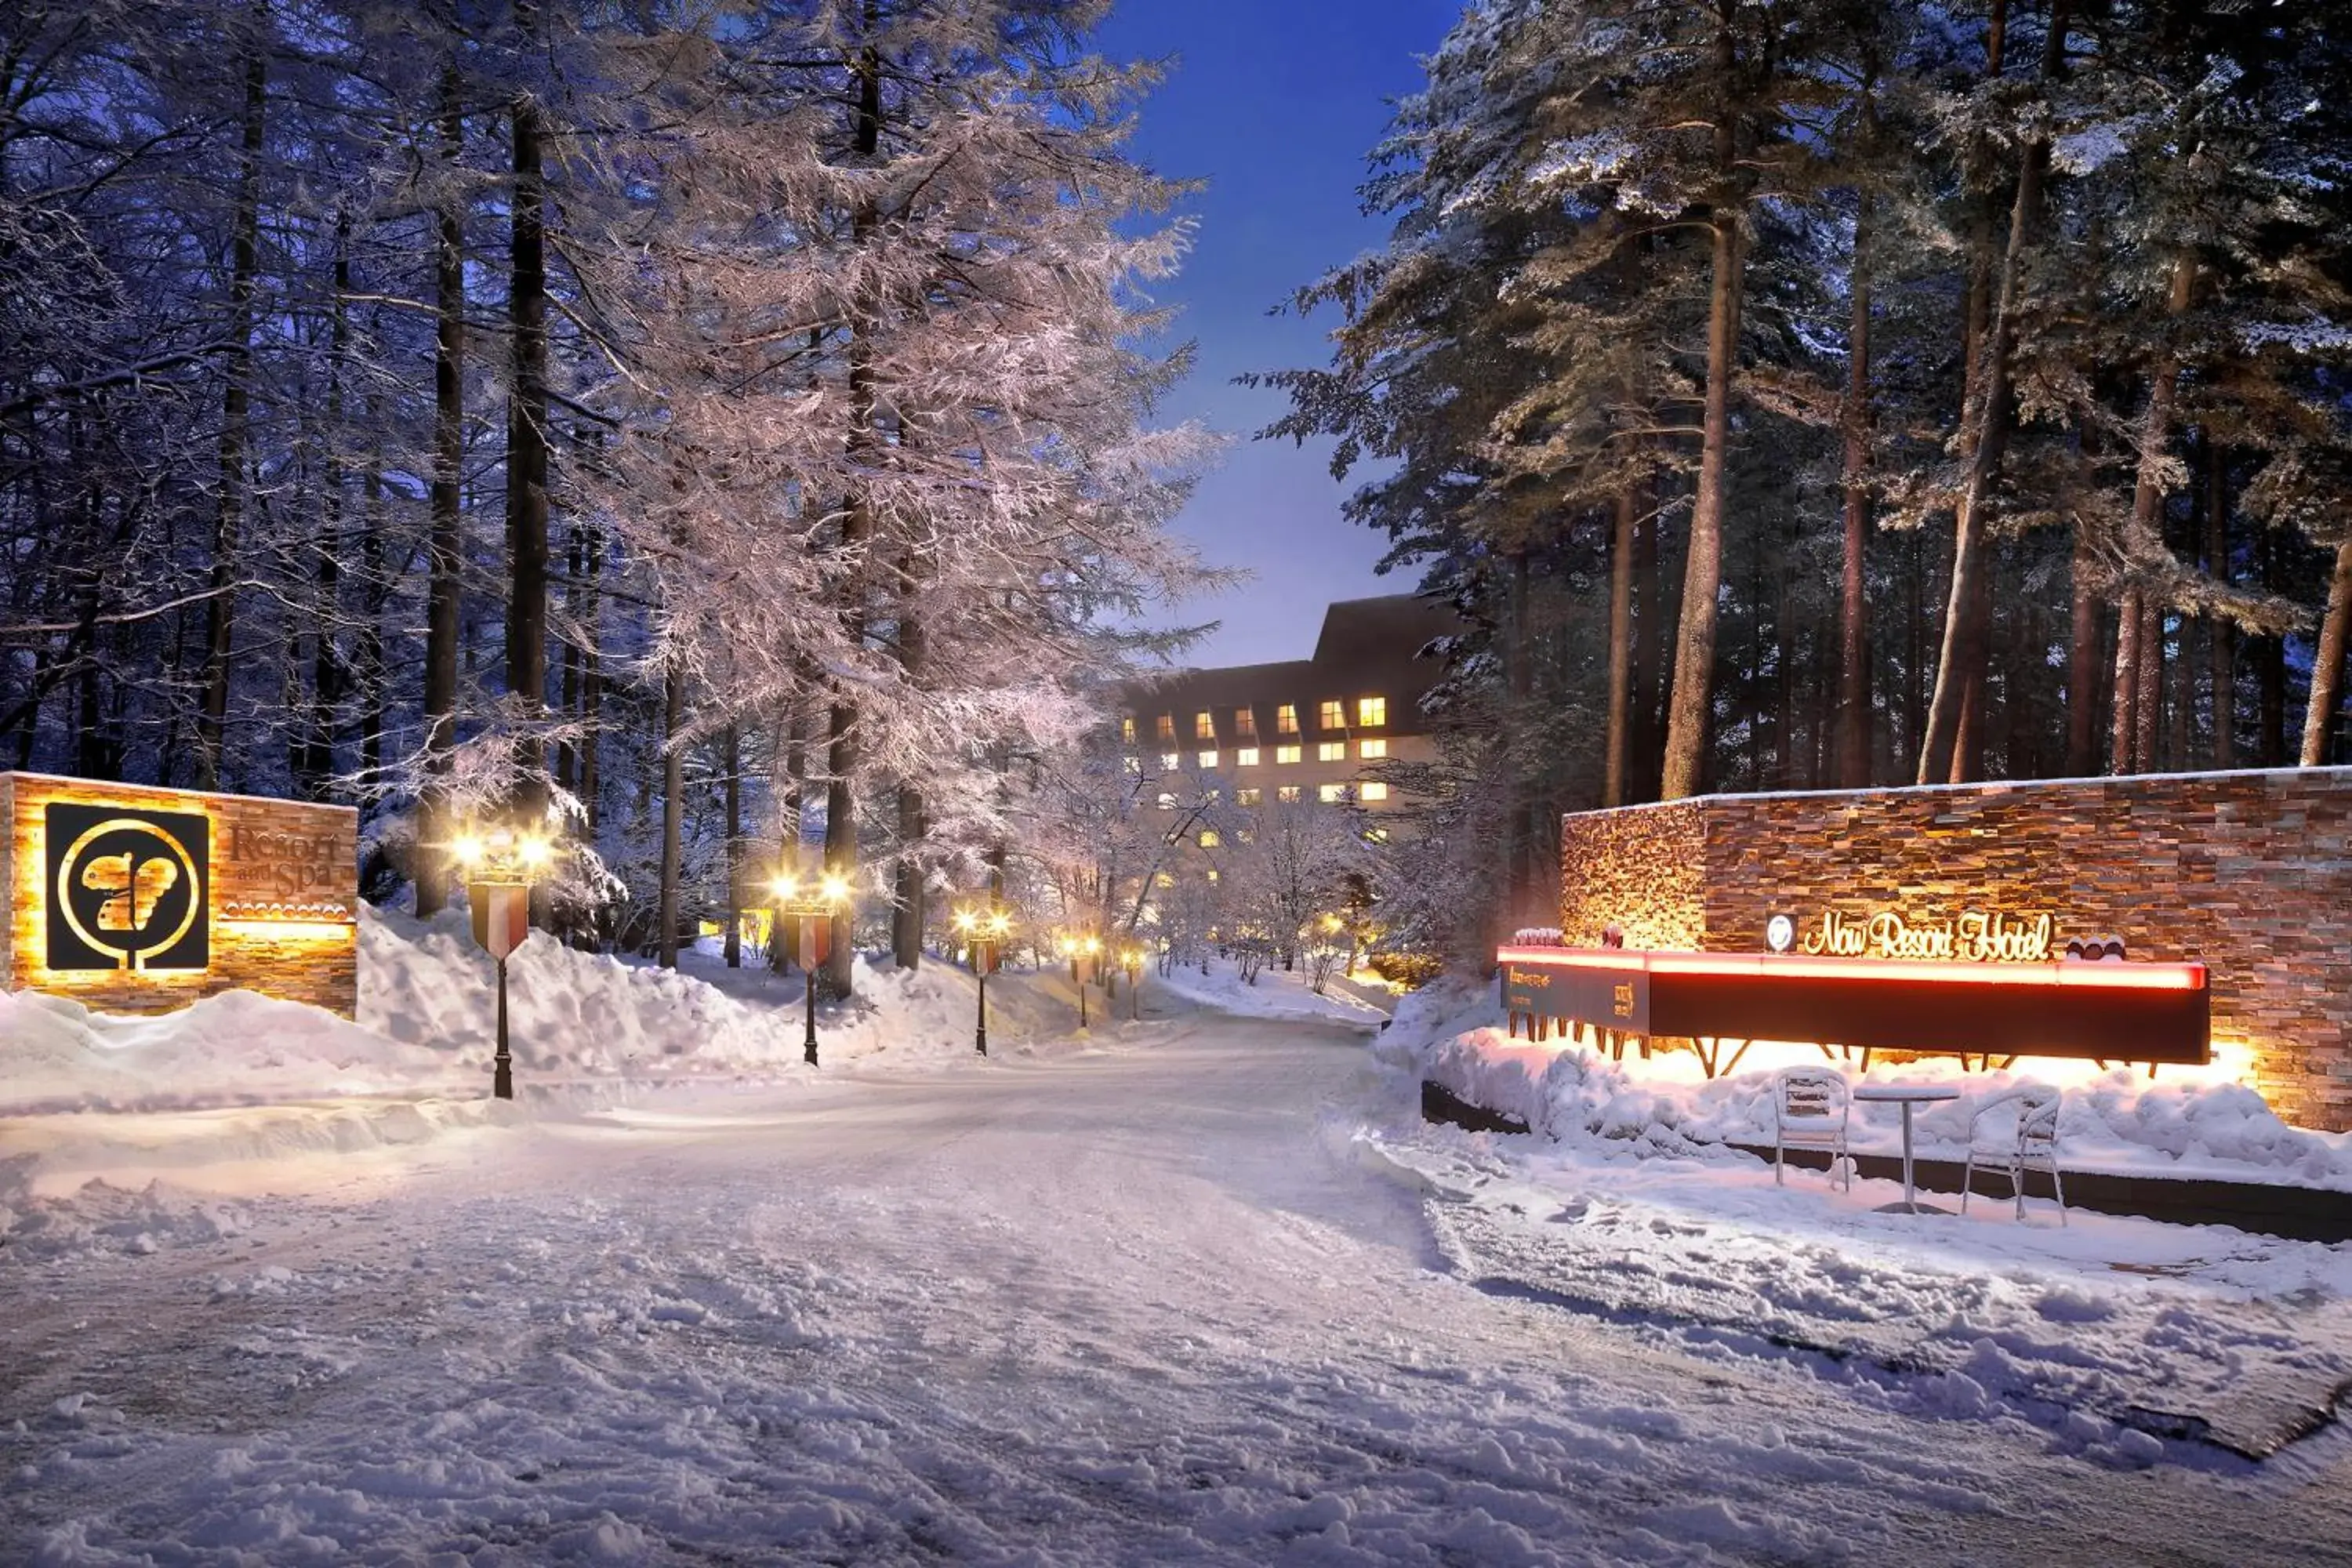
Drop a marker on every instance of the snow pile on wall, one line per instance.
(428, 1024)
(2188, 1122)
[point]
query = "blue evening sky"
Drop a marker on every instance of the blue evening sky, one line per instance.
(1275, 103)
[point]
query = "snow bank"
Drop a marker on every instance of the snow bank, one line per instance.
(2191, 1122)
(427, 1025)
(1276, 994)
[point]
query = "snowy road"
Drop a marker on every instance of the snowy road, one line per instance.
(1129, 1306)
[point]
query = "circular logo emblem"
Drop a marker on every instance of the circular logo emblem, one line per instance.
(1780, 934)
(128, 894)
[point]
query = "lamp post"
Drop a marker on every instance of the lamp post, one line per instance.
(500, 864)
(983, 931)
(1091, 946)
(820, 900)
(1132, 959)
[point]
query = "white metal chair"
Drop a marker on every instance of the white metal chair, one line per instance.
(1810, 1109)
(2029, 1142)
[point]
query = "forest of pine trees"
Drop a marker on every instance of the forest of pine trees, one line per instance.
(698, 428)
(725, 433)
(1830, 392)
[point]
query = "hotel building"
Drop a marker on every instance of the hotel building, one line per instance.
(1312, 728)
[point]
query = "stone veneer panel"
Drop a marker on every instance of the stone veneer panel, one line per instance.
(2249, 872)
(1643, 868)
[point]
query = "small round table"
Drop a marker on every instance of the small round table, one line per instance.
(1907, 1095)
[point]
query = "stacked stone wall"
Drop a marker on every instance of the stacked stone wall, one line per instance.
(1644, 868)
(2249, 873)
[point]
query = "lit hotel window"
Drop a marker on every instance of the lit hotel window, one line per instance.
(1245, 723)
(1368, 750)
(1286, 753)
(1331, 752)
(1170, 762)
(1165, 879)
(1163, 729)
(1167, 800)
(1245, 757)
(1203, 727)
(1372, 711)
(1376, 835)
(1330, 793)
(1286, 720)
(1213, 873)
(1286, 793)
(1208, 759)
(1127, 731)
(1373, 791)
(1334, 714)
(1209, 839)
(1248, 796)
(1213, 795)
(1134, 765)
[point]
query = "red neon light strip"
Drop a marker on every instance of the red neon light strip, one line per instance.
(2096, 976)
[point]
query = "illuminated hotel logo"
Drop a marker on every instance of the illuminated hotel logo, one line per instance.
(1978, 936)
(129, 888)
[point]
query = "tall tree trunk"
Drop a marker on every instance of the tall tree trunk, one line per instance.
(1649, 646)
(2122, 743)
(2082, 663)
(1518, 682)
(329, 680)
(2328, 664)
(220, 609)
(790, 788)
(1968, 736)
(840, 758)
(2147, 704)
(2270, 661)
(2147, 514)
(368, 655)
(2222, 636)
(1687, 711)
(567, 752)
(446, 547)
(592, 681)
(1621, 649)
(1853, 611)
(527, 424)
(673, 811)
(734, 847)
(908, 913)
(1988, 423)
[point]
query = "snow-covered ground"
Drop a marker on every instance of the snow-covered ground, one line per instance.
(1197, 1290)
(1275, 994)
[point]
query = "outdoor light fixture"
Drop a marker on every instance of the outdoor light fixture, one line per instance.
(983, 931)
(500, 864)
(822, 900)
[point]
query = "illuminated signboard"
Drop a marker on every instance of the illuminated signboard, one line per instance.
(1976, 936)
(137, 900)
(1558, 983)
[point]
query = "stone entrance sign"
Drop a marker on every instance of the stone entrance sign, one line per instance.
(2249, 873)
(136, 899)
